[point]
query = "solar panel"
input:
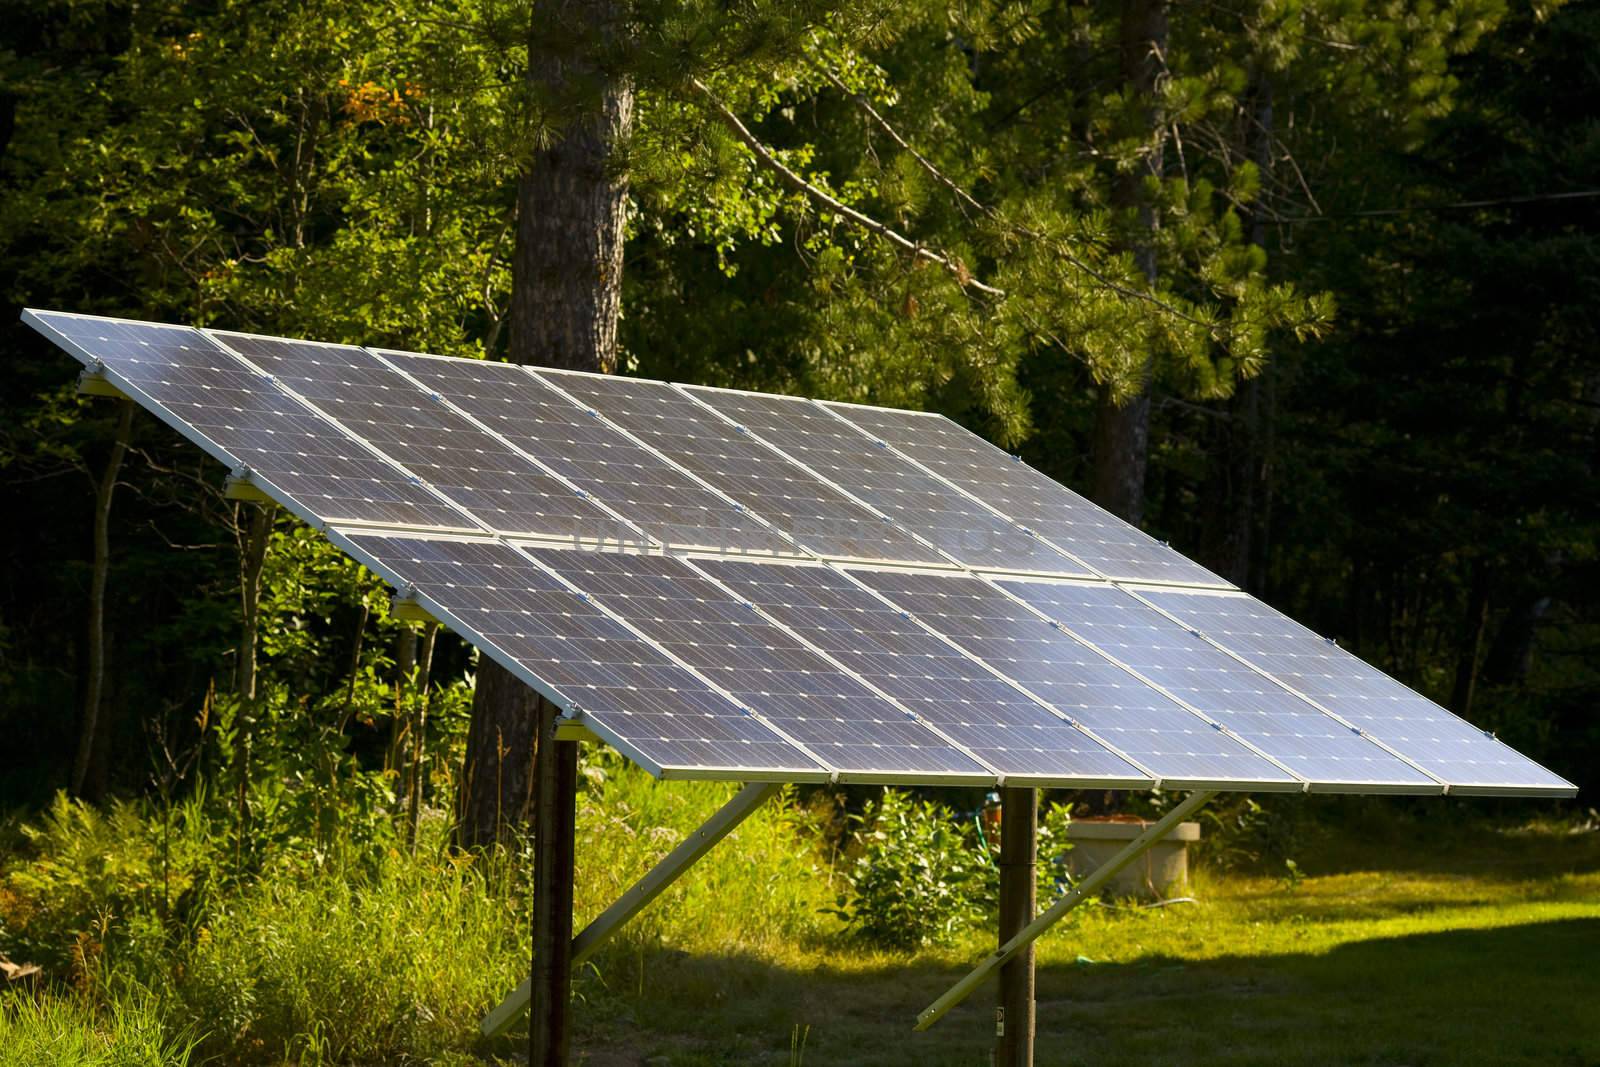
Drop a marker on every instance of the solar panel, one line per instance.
(505, 491)
(814, 514)
(951, 520)
(1308, 741)
(1471, 760)
(1015, 734)
(576, 443)
(1176, 745)
(1090, 533)
(770, 671)
(740, 660)
(627, 690)
(229, 410)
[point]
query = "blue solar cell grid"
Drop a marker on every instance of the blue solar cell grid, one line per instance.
(1013, 733)
(817, 516)
(505, 491)
(1308, 741)
(243, 419)
(776, 675)
(1443, 744)
(661, 499)
(1127, 714)
(951, 520)
(1090, 533)
(624, 686)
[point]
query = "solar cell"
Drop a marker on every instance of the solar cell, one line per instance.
(1178, 746)
(576, 443)
(819, 517)
(1010, 731)
(1308, 741)
(629, 691)
(1089, 532)
(842, 454)
(765, 668)
(228, 409)
(505, 491)
(1441, 743)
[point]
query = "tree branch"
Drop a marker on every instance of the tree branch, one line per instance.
(766, 158)
(967, 199)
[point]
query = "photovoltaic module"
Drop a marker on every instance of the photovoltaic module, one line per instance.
(748, 586)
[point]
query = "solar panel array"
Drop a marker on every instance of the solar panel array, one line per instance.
(745, 586)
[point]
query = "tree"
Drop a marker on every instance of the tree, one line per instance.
(1122, 428)
(1439, 506)
(566, 295)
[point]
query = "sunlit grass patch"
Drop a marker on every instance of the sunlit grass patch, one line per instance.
(128, 1031)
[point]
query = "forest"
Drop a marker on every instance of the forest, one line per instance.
(1306, 288)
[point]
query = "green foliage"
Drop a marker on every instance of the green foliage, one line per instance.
(394, 962)
(917, 878)
(94, 871)
(1053, 845)
(344, 946)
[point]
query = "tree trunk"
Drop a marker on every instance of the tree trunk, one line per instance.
(1235, 491)
(93, 721)
(253, 535)
(1510, 656)
(496, 793)
(1470, 646)
(1121, 446)
(566, 292)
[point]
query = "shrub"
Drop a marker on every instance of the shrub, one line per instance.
(918, 876)
(93, 871)
(1053, 879)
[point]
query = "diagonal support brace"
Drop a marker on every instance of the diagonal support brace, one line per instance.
(1054, 914)
(642, 892)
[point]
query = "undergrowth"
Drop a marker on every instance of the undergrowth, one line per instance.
(163, 938)
(151, 943)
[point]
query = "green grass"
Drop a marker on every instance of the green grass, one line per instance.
(1477, 949)
(128, 1031)
(1423, 940)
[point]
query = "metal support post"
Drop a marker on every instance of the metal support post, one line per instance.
(1019, 852)
(1079, 893)
(556, 775)
(646, 889)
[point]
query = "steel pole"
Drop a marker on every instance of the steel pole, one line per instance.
(1052, 915)
(556, 773)
(1019, 851)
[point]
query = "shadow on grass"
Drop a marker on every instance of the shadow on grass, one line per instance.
(1514, 995)
(1433, 836)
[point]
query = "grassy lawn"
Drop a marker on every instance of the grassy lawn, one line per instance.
(1481, 948)
(1419, 935)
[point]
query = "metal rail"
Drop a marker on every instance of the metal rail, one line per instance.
(642, 892)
